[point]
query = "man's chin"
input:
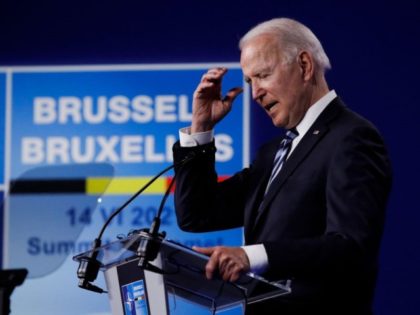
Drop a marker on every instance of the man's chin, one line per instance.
(278, 123)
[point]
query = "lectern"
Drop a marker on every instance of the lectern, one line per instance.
(175, 277)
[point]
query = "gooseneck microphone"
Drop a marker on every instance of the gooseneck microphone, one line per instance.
(149, 244)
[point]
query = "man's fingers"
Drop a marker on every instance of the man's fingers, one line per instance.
(229, 262)
(229, 268)
(232, 94)
(213, 75)
(213, 260)
(203, 86)
(211, 266)
(204, 250)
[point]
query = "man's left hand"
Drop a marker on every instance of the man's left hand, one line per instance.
(230, 261)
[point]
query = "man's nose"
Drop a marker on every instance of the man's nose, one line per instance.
(257, 92)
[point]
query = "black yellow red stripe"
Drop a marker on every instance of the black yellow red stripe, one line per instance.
(93, 185)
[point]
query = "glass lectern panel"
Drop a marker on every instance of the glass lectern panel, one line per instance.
(183, 273)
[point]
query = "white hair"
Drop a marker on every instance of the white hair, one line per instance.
(293, 37)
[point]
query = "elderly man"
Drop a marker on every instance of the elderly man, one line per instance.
(313, 202)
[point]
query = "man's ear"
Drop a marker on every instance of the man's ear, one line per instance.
(306, 64)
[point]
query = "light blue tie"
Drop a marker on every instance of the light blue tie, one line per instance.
(281, 154)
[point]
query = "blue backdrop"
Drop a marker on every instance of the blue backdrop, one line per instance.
(373, 47)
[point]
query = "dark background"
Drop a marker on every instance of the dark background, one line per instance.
(373, 47)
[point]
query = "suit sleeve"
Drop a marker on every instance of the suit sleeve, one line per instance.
(202, 204)
(358, 184)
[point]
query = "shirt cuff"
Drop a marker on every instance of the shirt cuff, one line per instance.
(186, 139)
(257, 256)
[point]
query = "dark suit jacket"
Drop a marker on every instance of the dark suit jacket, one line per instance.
(322, 219)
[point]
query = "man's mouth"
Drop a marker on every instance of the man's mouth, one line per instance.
(269, 106)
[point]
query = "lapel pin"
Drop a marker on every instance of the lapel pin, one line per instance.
(316, 132)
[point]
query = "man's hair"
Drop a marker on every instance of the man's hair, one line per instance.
(293, 37)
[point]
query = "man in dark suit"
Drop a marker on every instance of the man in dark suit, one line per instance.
(317, 219)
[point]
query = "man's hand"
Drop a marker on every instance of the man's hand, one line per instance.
(209, 107)
(230, 261)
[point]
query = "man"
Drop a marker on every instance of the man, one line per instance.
(317, 218)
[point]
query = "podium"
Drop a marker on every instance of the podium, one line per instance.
(175, 277)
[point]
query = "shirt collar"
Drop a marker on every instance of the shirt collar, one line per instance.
(313, 112)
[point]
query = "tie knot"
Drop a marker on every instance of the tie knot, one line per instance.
(291, 134)
(288, 138)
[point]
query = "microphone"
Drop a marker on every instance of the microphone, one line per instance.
(89, 268)
(150, 242)
(149, 245)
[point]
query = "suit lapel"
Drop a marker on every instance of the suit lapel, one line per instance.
(312, 137)
(258, 190)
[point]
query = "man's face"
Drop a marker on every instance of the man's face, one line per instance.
(278, 87)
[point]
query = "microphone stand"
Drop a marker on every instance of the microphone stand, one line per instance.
(149, 245)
